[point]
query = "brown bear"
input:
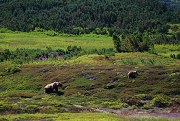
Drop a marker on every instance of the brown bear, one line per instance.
(50, 88)
(133, 74)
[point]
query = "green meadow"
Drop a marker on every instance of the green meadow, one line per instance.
(40, 40)
(90, 81)
(79, 117)
(34, 40)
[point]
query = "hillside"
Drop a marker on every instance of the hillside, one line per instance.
(85, 16)
(92, 82)
(113, 60)
(94, 79)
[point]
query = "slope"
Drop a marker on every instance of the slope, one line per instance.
(118, 15)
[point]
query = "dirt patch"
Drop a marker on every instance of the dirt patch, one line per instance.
(171, 113)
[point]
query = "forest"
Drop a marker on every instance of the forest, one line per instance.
(85, 16)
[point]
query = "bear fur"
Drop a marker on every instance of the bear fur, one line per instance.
(133, 74)
(50, 88)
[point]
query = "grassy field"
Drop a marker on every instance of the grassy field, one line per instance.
(79, 117)
(34, 40)
(166, 50)
(92, 81)
(63, 117)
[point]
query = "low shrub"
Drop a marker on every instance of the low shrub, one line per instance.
(133, 101)
(11, 70)
(114, 105)
(161, 101)
(133, 107)
(146, 106)
(109, 86)
(51, 109)
(175, 56)
(32, 109)
(121, 84)
(51, 33)
(5, 30)
(144, 96)
(5, 107)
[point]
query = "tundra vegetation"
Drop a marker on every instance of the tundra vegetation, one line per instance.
(90, 53)
(92, 76)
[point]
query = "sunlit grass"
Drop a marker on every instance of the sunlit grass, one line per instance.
(166, 48)
(34, 40)
(64, 117)
(83, 117)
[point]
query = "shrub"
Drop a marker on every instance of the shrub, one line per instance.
(166, 39)
(32, 109)
(11, 70)
(121, 84)
(37, 29)
(130, 100)
(146, 106)
(136, 42)
(143, 96)
(51, 33)
(177, 35)
(175, 56)
(133, 107)
(117, 42)
(178, 56)
(5, 107)
(51, 109)
(114, 105)
(161, 101)
(5, 30)
(109, 86)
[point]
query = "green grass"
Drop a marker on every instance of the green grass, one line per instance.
(139, 59)
(64, 117)
(84, 79)
(81, 117)
(85, 85)
(81, 82)
(34, 40)
(166, 48)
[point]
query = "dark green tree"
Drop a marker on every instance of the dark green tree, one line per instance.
(117, 42)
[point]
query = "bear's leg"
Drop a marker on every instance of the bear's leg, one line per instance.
(46, 90)
(56, 89)
(130, 75)
(51, 90)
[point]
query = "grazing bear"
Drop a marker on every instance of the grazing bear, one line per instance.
(50, 88)
(132, 74)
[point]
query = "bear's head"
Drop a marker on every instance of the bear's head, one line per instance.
(136, 73)
(58, 84)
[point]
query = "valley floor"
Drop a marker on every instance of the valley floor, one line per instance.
(92, 83)
(83, 117)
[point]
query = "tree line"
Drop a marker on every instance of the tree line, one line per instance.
(85, 16)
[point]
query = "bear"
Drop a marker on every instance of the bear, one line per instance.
(50, 88)
(133, 74)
